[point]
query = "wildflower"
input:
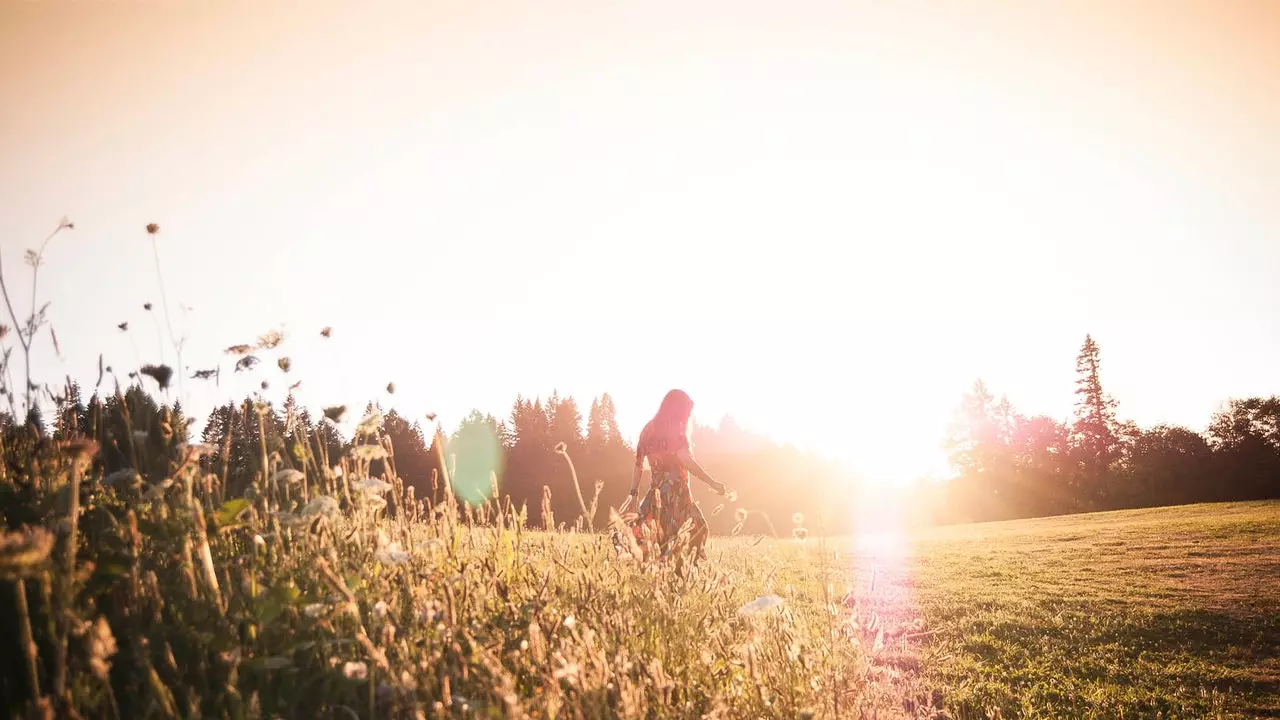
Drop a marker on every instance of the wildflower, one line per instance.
(355, 670)
(78, 449)
(797, 519)
(391, 388)
(732, 496)
(380, 610)
(326, 332)
(371, 485)
(102, 645)
(800, 533)
(152, 228)
(569, 622)
(740, 515)
(314, 610)
(285, 364)
(369, 452)
(270, 340)
(431, 417)
(239, 349)
(370, 423)
(22, 551)
(265, 385)
(561, 448)
(762, 604)
(146, 306)
(124, 326)
(288, 476)
(246, 363)
(320, 506)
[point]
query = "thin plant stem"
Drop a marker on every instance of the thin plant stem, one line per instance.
(26, 340)
(25, 636)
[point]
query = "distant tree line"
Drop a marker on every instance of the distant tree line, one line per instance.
(1010, 465)
(1006, 464)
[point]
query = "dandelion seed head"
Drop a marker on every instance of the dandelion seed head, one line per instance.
(797, 519)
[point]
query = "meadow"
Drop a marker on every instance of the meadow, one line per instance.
(324, 592)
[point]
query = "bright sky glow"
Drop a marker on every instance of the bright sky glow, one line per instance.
(824, 218)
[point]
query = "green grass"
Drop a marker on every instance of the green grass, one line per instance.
(1171, 612)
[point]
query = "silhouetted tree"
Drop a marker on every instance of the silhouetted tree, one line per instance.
(1096, 443)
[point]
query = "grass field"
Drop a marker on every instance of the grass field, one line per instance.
(176, 603)
(1171, 612)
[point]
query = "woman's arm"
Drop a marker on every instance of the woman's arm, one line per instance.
(686, 458)
(635, 477)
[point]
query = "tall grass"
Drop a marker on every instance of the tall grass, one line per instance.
(313, 587)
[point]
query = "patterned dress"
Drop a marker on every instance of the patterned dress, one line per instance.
(669, 502)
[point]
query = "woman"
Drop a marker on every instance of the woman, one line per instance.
(665, 443)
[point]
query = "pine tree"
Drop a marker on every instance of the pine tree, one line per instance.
(1094, 432)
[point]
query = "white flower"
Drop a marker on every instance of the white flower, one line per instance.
(355, 670)
(371, 486)
(320, 505)
(380, 610)
(764, 603)
(314, 610)
(288, 476)
(369, 452)
(370, 423)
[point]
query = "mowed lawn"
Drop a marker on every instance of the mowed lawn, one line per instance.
(1171, 612)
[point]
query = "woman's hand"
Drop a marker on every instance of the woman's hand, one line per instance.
(719, 487)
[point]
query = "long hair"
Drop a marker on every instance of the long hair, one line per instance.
(670, 426)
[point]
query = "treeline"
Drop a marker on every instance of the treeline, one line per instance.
(519, 454)
(1009, 465)
(1006, 465)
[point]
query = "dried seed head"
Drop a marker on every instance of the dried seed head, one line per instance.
(162, 374)
(270, 340)
(239, 349)
(335, 413)
(285, 364)
(152, 228)
(23, 551)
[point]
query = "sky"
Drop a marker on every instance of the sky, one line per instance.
(825, 219)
